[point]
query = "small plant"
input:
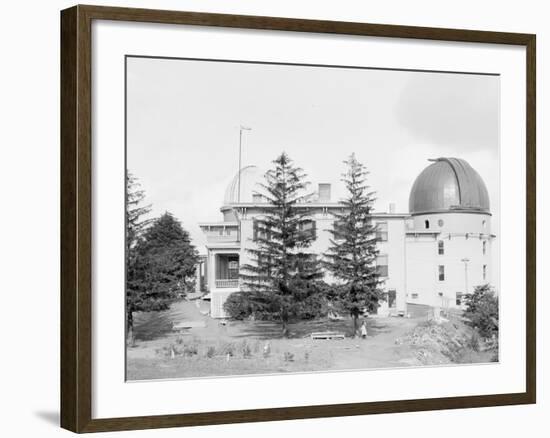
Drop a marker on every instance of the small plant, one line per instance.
(306, 356)
(256, 347)
(179, 340)
(227, 349)
(211, 352)
(246, 350)
(267, 350)
(474, 341)
(190, 350)
(288, 356)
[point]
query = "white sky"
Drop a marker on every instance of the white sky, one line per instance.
(183, 121)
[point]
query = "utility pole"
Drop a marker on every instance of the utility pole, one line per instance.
(241, 129)
(465, 261)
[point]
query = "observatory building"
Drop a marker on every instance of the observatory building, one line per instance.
(433, 254)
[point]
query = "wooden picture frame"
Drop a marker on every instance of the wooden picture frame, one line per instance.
(76, 217)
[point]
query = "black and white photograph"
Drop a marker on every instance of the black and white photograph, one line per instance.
(291, 218)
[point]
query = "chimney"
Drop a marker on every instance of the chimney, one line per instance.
(324, 192)
(392, 208)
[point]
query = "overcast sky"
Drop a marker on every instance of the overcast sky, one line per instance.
(184, 116)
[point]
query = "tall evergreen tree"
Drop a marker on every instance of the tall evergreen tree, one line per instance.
(135, 210)
(351, 258)
(135, 226)
(163, 269)
(282, 233)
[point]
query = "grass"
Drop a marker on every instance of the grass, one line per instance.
(247, 347)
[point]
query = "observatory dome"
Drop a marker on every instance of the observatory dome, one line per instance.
(448, 184)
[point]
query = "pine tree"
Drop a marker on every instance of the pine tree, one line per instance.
(163, 269)
(281, 265)
(351, 258)
(135, 226)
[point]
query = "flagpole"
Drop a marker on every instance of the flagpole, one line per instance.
(241, 129)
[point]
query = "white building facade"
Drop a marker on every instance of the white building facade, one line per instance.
(432, 255)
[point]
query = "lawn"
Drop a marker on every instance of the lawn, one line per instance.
(256, 347)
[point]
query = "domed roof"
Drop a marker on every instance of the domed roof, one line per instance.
(251, 176)
(448, 184)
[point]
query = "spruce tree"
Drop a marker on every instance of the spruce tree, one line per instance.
(351, 257)
(135, 210)
(163, 269)
(281, 265)
(135, 226)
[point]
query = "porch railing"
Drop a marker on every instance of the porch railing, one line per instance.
(227, 283)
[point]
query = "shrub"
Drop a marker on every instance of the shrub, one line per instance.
(210, 352)
(482, 310)
(246, 350)
(309, 302)
(239, 305)
(288, 356)
(474, 342)
(227, 348)
(190, 350)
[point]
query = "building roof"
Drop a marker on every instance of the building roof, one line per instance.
(448, 184)
(250, 177)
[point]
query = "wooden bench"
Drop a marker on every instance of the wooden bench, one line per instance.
(188, 325)
(327, 335)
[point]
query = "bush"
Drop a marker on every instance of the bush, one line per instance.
(210, 352)
(239, 305)
(309, 302)
(190, 350)
(246, 350)
(482, 310)
(227, 348)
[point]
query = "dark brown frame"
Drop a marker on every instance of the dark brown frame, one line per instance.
(76, 217)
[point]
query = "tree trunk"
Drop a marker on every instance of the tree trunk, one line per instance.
(130, 340)
(285, 329)
(354, 316)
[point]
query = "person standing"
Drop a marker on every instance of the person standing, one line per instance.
(364, 330)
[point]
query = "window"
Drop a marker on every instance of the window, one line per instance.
(459, 298)
(484, 246)
(233, 268)
(324, 192)
(382, 265)
(308, 226)
(339, 229)
(426, 224)
(382, 231)
(228, 232)
(441, 273)
(220, 231)
(256, 198)
(485, 272)
(259, 230)
(414, 296)
(392, 298)
(441, 247)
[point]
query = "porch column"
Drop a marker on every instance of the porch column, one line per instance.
(211, 269)
(198, 276)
